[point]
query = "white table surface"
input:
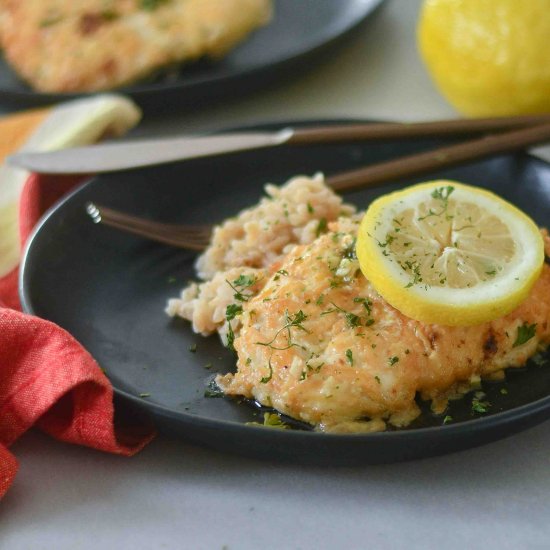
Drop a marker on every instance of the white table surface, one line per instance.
(174, 495)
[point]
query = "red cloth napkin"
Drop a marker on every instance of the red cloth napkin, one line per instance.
(47, 379)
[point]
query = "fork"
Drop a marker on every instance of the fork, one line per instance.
(197, 237)
(191, 237)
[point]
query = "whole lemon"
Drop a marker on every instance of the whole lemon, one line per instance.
(488, 57)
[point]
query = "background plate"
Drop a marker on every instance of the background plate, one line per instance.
(299, 30)
(109, 290)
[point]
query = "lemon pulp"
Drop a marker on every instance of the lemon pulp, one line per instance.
(448, 253)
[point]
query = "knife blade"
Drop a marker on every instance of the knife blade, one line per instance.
(112, 157)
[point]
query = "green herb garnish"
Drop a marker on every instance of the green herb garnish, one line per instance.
(321, 227)
(442, 194)
(271, 420)
(351, 319)
(525, 333)
(151, 5)
(232, 311)
(266, 379)
(241, 283)
(480, 407)
(292, 321)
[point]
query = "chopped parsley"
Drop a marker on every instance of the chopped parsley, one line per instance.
(525, 333)
(351, 319)
(151, 5)
(266, 379)
(447, 419)
(271, 420)
(321, 227)
(240, 284)
(393, 360)
(366, 303)
(232, 311)
(292, 321)
(414, 269)
(441, 194)
(349, 356)
(480, 407)
(230, 337)
(192, 348)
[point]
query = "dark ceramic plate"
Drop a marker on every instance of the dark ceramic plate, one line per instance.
(299, 30)
(109, 290)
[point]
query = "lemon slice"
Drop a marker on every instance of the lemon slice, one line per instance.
(448, 253)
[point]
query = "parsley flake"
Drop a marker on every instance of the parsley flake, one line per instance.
(525, 333)
(321, 227)
(271, 420)
(266, 379)
(232, 311)
(150, 5)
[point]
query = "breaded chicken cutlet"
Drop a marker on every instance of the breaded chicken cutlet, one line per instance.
(92, 45)
(319, 344)
(283, 287)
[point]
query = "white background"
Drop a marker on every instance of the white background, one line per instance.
(173, 495)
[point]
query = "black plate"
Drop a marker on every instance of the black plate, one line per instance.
(109, 290)
(299, 30)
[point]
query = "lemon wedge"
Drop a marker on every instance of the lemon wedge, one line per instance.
(448, 253)
(70, 124)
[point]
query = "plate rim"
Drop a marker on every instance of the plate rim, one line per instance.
(477, 424)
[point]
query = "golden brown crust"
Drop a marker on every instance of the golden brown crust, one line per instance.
(354, 356)
(90, 45)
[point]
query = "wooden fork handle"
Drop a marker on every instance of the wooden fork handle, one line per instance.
(436, 159)
(405, 130)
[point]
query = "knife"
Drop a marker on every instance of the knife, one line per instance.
(112, 157)
(115, 156)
